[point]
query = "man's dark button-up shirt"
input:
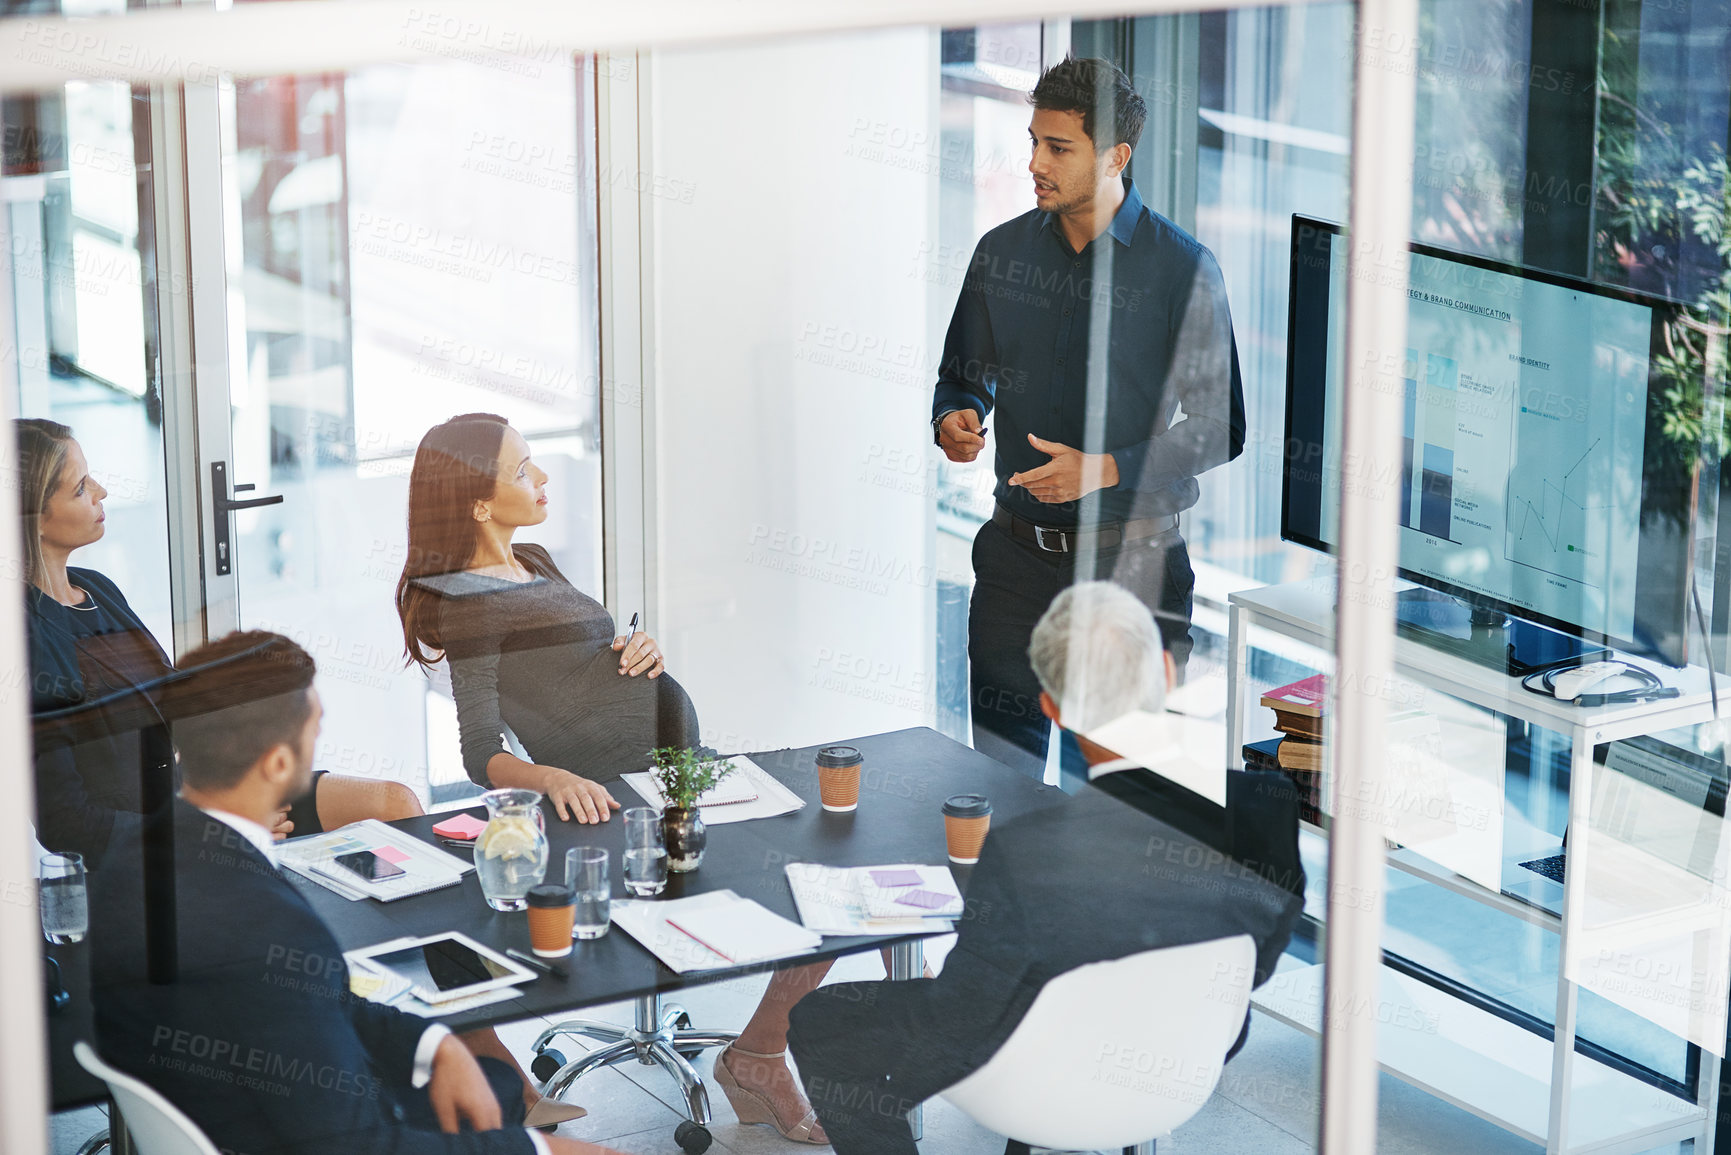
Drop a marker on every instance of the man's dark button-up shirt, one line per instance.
(1022, 344)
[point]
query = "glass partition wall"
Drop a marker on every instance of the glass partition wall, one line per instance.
(822, 560)
(414, 243)
(721, 291)
(395, 261)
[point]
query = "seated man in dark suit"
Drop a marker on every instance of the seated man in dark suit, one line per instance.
(256, 1035)
(1131, 864)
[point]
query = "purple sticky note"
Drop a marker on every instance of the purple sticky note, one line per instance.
(896, 877)
(924, 899)
(391, 854)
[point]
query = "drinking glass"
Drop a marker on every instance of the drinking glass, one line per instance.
(594, 893)
(645, 852)
(65, 901)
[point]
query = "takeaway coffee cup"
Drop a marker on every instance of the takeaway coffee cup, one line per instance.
(966, 819)
(552, 914)
(838, 770)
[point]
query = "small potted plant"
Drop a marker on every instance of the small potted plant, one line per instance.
(684, 776)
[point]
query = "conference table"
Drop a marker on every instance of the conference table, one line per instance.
(907, 775)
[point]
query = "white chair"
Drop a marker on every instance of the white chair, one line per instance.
(1116, 1054)
(157, 1127)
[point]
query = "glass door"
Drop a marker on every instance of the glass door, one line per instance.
(403, 244)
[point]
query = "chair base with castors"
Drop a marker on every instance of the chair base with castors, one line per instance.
(1017, 1147)
(661, 1036)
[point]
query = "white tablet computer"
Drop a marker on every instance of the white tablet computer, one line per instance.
(443, 967)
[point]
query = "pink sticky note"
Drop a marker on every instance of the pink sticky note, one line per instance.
(391, 854)
(462, 826)
(896, 877)
(924, 899)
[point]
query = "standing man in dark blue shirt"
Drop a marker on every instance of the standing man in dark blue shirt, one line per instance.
(1098, 332)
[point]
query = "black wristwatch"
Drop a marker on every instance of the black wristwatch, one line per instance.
(937, 425)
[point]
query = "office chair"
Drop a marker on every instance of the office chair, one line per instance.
(157, 1127)
(1116, 1054)
(661, 1035)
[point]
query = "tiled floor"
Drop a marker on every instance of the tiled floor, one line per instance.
(70, 1130)
(1266, 1103)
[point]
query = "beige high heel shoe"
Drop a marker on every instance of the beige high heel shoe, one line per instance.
(756, 1107)
(547, 1114)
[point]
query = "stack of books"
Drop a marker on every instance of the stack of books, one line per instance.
(1298, 715)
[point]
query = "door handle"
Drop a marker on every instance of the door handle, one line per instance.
(222, 505)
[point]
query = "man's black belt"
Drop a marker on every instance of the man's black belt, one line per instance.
(1108, 536)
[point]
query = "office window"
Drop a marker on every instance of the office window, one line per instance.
(1272, 138)
(412, 243)
(1515, 160)
(987, 73)
(85, 301)
(405, 243)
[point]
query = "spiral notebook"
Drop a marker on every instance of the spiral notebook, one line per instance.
(711, 931)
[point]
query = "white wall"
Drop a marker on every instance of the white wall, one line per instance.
(793, 383)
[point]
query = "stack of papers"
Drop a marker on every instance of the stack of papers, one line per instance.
(707, 931)
(424, 867)
(898, 899)
(378, 985)
(749, 792)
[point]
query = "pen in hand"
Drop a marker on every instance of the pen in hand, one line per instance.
(630, 632)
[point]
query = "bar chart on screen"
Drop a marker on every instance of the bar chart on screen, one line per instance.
(1428, 474)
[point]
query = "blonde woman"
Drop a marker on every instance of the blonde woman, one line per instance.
(87, 643)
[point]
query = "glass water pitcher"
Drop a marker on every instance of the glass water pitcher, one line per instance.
(511, 854)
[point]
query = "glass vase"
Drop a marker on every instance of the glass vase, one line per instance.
(686, 836)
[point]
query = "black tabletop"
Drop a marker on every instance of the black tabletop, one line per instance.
(905, 779)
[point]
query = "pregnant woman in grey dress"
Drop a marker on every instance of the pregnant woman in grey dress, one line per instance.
(529, 650)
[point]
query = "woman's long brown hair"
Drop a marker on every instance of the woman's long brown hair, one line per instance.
(456, 465)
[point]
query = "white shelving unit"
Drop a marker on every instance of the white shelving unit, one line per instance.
(1491, 1067)
(1542, 1091)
